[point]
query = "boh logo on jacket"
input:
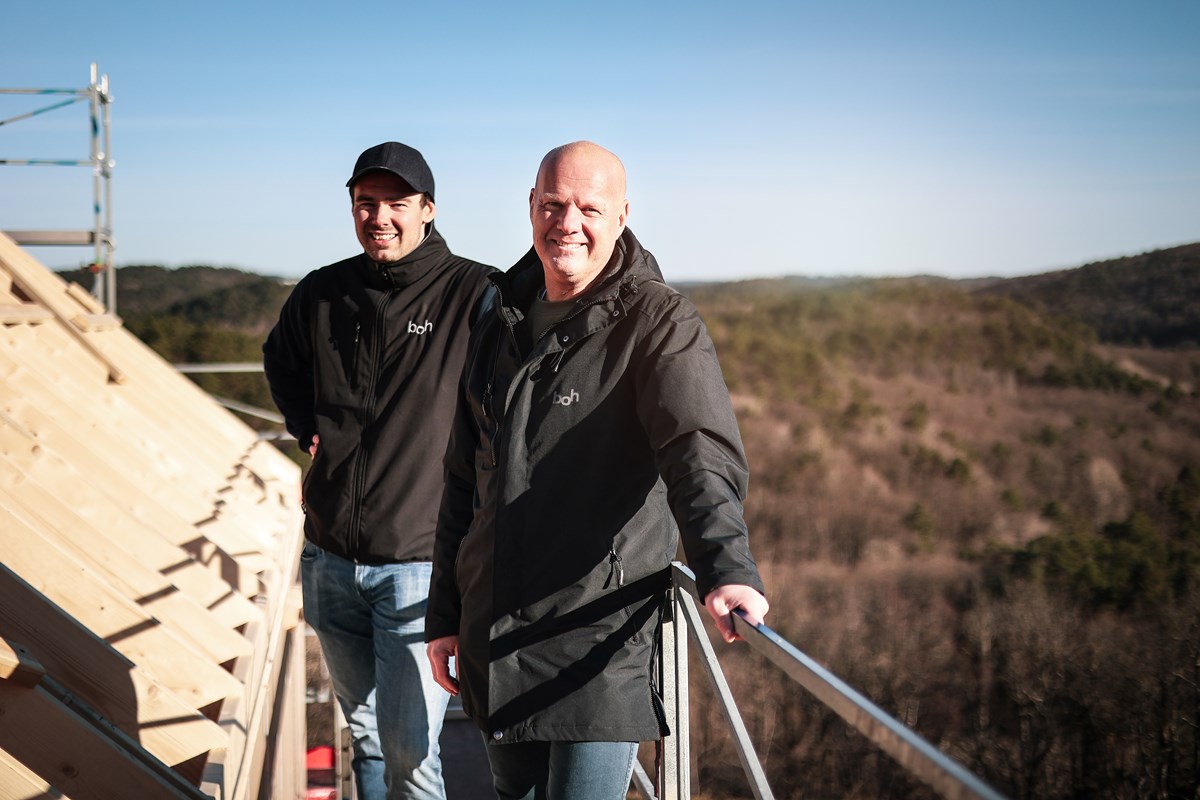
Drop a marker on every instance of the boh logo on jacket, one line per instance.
(566, 399)
(424, 327)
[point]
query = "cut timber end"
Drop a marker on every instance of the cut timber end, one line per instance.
(18, 665)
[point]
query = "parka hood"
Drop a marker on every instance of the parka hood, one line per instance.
(629, 266)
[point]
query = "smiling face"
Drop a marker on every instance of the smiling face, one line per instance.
(578, 210)
(389, 217)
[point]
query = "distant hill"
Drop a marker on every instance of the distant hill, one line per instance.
(977, 512)
(1148, 299)
(200, 295)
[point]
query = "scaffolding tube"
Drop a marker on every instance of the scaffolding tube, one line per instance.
(100, 160)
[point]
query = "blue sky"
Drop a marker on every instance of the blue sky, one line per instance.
(857, 138)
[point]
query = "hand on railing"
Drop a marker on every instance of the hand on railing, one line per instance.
(723, 600)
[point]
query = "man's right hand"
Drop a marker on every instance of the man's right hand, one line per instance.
(440, 652)
(312, 448)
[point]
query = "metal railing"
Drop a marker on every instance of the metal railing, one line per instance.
(237, 405)
(921, 759)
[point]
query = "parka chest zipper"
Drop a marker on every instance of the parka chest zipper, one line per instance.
(564, 341)
(359, 477)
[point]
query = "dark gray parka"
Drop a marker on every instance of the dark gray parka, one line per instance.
(568, 469)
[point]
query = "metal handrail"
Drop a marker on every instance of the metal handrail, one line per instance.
(221, 366)
(235, 405)
(921, 759)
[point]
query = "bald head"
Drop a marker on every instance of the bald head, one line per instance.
(578, 210)
(592, 155)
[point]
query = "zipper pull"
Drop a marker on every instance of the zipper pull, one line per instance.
(615, 568)
(353, 368)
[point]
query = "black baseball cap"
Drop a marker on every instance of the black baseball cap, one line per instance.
(399, 159)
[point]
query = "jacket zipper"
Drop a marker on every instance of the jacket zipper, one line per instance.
(368, 414)
(488, 392)
(558, 357)
(615, 568)
(354, 355)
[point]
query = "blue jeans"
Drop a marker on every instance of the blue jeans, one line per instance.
(561, 770)
(370, 620)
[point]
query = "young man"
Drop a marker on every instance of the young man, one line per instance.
(363, 364)
(593, 420)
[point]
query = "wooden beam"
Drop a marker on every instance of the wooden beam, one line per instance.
(153, 500)
(18, 665)
(119, 568)
(16, 780)
(68, 753)
(84, 298)
(115, 687)
(96, 322)
(26, 455)
(250, 718)
(57, 574)
(47, 289)
(23, 314)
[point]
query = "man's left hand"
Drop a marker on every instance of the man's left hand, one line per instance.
(722, 600)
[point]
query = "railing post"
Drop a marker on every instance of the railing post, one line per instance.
(674, 772)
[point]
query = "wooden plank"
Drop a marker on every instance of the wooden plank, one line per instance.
(18, 781)
(47, 289)
(81, 423)
(96, 322)
(115, 687)
(143, 639)
(120, 560)
(140, 492)
(122, 571)
(212, 434)
(18, 665)
(136, 423)
(84, 298)
(251, 717)
(23, 314)
(155, 544)
(68, 753)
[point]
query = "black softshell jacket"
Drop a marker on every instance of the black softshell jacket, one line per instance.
(567, 472)
(369, 358)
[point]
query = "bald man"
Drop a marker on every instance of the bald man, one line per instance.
(593, 420)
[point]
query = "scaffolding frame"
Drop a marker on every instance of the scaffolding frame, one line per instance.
(100, 237)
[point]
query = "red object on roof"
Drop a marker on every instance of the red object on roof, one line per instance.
(319, 758)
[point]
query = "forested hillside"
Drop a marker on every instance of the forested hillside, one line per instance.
(1151, 299)
(983, 518)
(980, 506)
